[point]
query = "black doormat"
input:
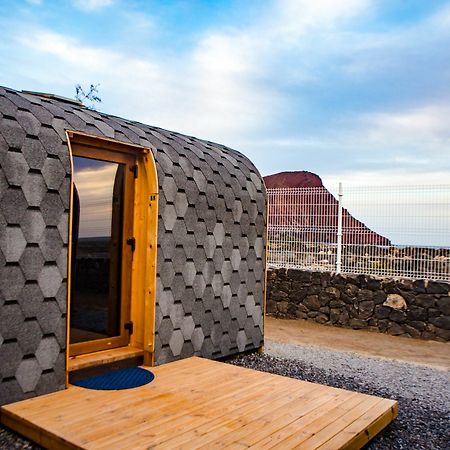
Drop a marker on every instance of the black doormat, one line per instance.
(119, 379)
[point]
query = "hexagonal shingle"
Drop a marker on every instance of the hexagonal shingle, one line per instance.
(225, 345)
(52, 208)
(29, 336)
(176, 342)
(165, 330)
(34, 153)
(13, 133)
(259, 247)
(226, 271)
(49, 281)
(198, 312)
(166, 274)
(169, 217)
(189, 272)
(241, 340)
(199, 285)
(179, 231)
(12, 243)
(53, 173)
(13, 206)
(169, 187)
(257, 315)
(32, 225)
(50, 140)
(216, 334)
(219, 234)
(236, 259)
(197, 339)
(15, 168)
(10, 356)
(192, 192)
(32, 262)
(242, 316)
(200, 180)
(11, 320)
(50, 318)
(225, 320)
(179, 259)
(30, 300)
(29, 123)
(217, 284)
(181, 203)
(226, 296)
(209, 245)
(237, 210)
(12, 282)
(47, 352)
(187, 327)
(34, 189)
(63, 228)
(28, 374)
(250, 304)
(218, 259)
(51, 244)
(211, 195)
(176, 314)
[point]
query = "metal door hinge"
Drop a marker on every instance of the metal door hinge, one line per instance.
(129, 327)
(131, 241)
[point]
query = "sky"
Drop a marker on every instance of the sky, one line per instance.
(356, 91)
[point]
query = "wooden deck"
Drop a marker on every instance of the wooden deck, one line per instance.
(197, 403)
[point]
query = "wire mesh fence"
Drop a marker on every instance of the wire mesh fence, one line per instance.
(397, 231)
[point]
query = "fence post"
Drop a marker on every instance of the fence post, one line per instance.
(339, 231)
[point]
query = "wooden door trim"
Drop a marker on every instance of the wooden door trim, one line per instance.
(145, 225)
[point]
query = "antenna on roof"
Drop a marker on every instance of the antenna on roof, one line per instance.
(91, 95)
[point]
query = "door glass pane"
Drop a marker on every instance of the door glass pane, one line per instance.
(97, 220)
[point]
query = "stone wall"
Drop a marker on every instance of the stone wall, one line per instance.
(401, 307)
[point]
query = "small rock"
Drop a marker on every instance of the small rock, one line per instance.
(441, 322)
(425, 300)
(312, 302)
(395, 329)
(444, 305)
(358, 324)
(395, 301)
(282, 307)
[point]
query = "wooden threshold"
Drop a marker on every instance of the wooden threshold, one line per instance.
(196, 403)
(103, 357)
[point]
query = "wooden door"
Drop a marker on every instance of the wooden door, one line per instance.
(102, 250)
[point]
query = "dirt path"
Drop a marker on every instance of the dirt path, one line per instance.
(429, 353)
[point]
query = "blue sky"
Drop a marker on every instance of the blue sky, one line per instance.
(354, 90)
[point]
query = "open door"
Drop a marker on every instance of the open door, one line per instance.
(102, 250)
(112, 252)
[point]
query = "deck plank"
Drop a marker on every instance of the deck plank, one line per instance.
(197, 403)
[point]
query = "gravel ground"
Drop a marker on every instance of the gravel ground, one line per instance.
(423, 393)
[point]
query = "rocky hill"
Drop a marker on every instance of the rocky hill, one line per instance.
(314, 212)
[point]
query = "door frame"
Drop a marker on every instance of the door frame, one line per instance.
(144, 211)
(121, 340)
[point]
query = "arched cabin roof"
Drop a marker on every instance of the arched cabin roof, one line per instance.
(218, 239)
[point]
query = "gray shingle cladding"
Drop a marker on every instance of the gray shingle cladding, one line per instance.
(211, 241)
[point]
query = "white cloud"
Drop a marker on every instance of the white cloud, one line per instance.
(92, 5)
(385, 177)
(425, 126)
(247, 87)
